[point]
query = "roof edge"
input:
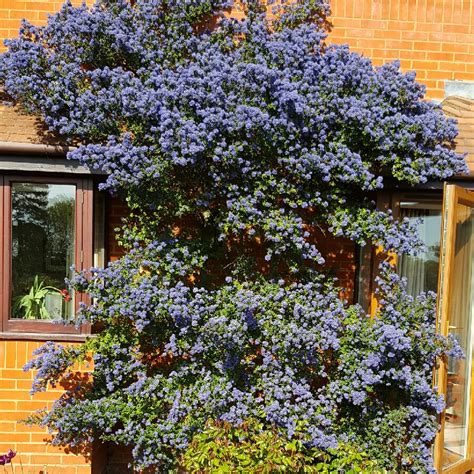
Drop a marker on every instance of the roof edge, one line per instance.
(34, 148)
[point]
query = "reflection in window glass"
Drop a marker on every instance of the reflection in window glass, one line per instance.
(421, 270)
(42, 250)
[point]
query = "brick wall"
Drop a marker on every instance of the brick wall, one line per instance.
(435, 38)
(340, 257)
(115, 210)
(12, 11)
(16, 403)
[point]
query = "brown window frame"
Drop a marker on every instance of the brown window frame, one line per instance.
(83, 251)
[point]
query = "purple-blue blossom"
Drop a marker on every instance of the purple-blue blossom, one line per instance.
(232, 141)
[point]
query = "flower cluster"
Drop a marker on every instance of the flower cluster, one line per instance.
(277, 128)
(235, 142)
(170, 357)
(7, 458)
(51, 361)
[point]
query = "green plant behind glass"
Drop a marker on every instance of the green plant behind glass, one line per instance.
(32, 305)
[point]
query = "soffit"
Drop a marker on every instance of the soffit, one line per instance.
(462, 110)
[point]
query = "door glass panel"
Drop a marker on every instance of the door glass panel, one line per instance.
(460, 322)
(42, 250)
(421, 270)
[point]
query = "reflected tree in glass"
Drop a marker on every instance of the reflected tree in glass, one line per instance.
(43, 245)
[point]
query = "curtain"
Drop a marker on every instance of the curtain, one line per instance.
(414, 267)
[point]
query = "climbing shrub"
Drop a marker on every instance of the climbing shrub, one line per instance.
(237, 144)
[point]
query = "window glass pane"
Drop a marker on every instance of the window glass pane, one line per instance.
(421, 270)
(459, 323)
(42, 250)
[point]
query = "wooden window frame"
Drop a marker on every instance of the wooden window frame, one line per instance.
(83, 253)
(390, 200)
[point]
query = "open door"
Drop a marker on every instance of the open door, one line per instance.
(454, 448)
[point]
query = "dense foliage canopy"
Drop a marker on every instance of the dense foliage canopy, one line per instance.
(235, 142)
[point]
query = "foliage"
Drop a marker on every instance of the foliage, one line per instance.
(289, 356)
(249, 448)
(237, 144)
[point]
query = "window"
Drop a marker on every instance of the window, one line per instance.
(47, 229)
(421, 270)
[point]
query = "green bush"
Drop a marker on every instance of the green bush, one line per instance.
(251, 449)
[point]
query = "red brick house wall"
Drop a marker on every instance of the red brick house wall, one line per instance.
(115, 210)
(16, 404)
(435, 38)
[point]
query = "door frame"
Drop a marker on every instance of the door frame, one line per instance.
(452, 196)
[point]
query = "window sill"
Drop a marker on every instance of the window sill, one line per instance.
(31, 336)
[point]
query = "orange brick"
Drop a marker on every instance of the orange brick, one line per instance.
(7, 384)
(464, 57)
(42, 458)
(41, 437)
(452, 66)
(36, 448)
(403, 9)
(429, 26)
(415, 35)
(418, 55)
(455, 47)
(83, 470)
(393, 44)
(438, 75)
(18, 416)
(448, 28)
(429, 84)
(464, 76)
(342, 22)
(388, 34)
(425, 65)
(437, 94)
(7, 406)
(440, 56)
(375, 24)
(6, 426)
(73, 459)
(19, 437)
(15, 374)
(385, 53)
(24, 428)
(14, 395)
(359, 33)
(24, 384)
(10, 354)
(31, 405)
(442, 37)
(20, 14)
(427, 46)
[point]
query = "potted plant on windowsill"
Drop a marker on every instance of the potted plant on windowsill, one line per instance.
(41, 302)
